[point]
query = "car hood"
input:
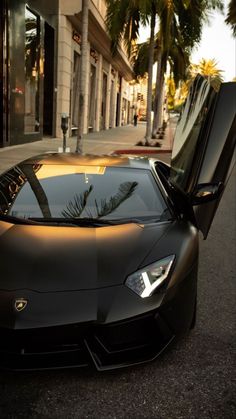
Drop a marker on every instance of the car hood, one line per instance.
(50, 259)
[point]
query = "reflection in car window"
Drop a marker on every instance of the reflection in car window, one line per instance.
(67, 191)
(191, 127)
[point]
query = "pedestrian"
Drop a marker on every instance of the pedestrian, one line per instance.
(135, 119)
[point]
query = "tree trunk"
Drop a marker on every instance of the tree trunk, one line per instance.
(82, 75)
(158, 101)
(150, 71)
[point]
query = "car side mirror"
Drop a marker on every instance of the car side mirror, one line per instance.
(206, 192)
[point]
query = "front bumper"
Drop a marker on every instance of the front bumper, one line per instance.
(109, 346)
(103, 343)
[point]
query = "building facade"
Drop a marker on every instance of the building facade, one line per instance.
(27, 71)
(107, 90)
(40, 68)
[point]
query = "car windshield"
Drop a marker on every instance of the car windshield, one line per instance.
(66, 192)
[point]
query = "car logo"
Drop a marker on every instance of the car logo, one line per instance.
(20, 304)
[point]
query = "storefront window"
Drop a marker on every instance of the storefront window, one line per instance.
(31, 120)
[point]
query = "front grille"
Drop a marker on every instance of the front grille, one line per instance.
(47, 359)
(107, 346)
(129, 342)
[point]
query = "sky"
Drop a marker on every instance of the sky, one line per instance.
(217, 42)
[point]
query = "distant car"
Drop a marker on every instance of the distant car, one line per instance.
(99, 254)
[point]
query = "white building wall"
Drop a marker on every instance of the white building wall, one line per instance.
(100, 6)
(70, 7)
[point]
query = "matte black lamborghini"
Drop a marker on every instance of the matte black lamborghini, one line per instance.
(99, 255)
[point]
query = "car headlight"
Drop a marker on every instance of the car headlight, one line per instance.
(145, 281)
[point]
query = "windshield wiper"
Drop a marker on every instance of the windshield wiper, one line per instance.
(83, 222)
(97, 222)
(86, 221)
(72, 221)
(16, 220)
(103, 222)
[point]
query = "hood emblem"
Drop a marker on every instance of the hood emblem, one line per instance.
(20, 304)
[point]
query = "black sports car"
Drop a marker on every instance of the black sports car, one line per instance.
(99, 254)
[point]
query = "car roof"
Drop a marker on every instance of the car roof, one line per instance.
(90, 160)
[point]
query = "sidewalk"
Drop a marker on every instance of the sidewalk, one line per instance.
(121, 139)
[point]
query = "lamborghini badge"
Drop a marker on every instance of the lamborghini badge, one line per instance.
(20, 304)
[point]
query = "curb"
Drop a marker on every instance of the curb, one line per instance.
(141, 151)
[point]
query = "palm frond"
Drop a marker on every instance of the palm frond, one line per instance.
(75, 208)
(125, 191)
(140, 59)
(231, 16)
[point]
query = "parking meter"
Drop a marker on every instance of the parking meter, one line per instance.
(64, 127)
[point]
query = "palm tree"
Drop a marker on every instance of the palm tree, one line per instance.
(123, 20)
(83, 74)
(172, 49)
(171, 92)
(231, 16)
(180, 24)
(208, 69)
(178, 58)
(180, 29)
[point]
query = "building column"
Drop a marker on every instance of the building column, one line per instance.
(86, 95)
(113, 100)
(121, 101)
(99, 93)
(108, 96)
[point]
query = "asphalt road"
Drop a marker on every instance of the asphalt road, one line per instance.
(195, 379)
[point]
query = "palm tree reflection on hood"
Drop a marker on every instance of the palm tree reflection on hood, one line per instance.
(105, 207)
